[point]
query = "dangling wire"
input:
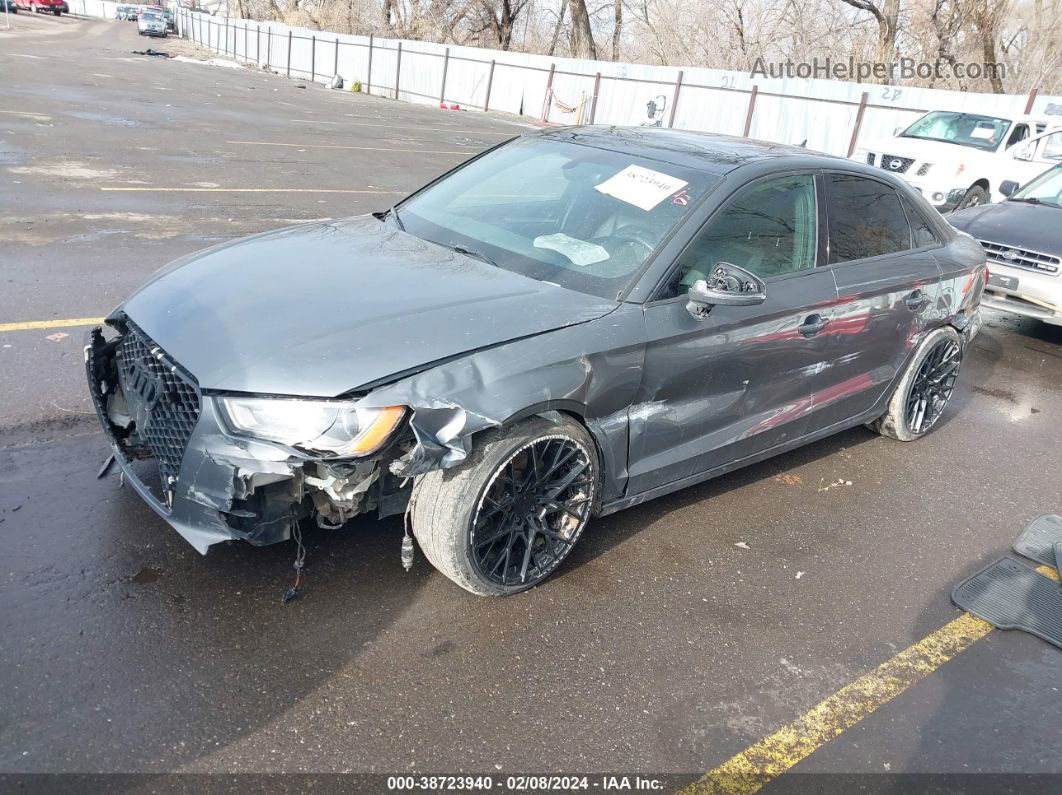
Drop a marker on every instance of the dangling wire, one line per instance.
(300, 561)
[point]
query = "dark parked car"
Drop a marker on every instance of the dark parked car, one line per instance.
(574, 322)
(8, 6)
(1022, 237)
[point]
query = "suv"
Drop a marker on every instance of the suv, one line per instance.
(152, 23)
(958, 160)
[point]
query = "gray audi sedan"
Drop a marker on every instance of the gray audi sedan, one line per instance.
(571, 323)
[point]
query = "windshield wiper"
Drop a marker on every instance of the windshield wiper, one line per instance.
(393, 212)
(469, 252)
(1030, 200)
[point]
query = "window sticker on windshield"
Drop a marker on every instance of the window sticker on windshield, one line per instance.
(579, 252)
(641, 187)
(983, 131)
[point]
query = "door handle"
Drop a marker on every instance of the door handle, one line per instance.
(812, 325)
(916, 300)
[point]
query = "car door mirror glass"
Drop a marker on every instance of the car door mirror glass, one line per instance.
(1023, 151)
(727, 285)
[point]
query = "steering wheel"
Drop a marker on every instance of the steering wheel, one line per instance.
(632, 235)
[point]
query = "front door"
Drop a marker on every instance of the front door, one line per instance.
(737, 383)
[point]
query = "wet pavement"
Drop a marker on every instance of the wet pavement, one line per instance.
(660, 645)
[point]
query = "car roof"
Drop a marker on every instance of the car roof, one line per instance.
(703, 151)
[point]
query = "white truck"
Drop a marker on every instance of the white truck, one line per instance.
(958, 160)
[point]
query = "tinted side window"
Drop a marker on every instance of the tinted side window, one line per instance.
(922, 233)
(768, 228)
(866, 219)
(1021, 132)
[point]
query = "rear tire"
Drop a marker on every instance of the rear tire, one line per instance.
(925, 388)
(506, 518)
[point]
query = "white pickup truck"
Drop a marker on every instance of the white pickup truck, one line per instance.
(958, 160)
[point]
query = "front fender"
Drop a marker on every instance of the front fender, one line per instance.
(592, 369)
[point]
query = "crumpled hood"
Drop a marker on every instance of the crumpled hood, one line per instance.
(323, 309)
(1018, 224)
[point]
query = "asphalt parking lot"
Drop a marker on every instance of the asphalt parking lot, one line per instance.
(660, 647)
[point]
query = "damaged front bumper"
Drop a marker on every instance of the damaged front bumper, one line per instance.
(172, 445)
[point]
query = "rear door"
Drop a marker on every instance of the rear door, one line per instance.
(888, 286)
(719, 389)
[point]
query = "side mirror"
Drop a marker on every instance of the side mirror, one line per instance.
(1007, 187)
(1023, 152)
(728, 285)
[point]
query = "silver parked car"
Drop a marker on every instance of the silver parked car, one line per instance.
(152, 23)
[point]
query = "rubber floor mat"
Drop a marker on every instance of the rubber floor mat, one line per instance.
(1012, 595)
(1039, 539)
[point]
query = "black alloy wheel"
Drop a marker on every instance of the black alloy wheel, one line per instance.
(532, 511)
(932, 386)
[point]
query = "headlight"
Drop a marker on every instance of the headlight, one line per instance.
(335, 428)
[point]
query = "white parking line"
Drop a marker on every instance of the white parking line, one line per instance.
(248, 190)
(404, 127)
(360, 148)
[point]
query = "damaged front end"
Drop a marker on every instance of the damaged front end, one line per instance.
(176, 448)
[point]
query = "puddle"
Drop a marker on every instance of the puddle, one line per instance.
(146, 575)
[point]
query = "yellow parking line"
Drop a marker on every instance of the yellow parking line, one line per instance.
(756, 766)
(32, 324)
(249, 190)
(360, 148)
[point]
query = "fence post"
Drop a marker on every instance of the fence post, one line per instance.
(258, 44)
(313, 57)
(752, 106)
(368, 77)
(335, 65)
(1031, 100)
(398, 69)
(226, 47)
(858, 123)
(289, 52)
(674, 100)
(446, 65)
(548, 100)
(490, 82)
(593, 100)
(269, 48)
(246, 47)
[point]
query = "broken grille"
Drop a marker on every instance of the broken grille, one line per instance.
(1021, 257)
(163, 401)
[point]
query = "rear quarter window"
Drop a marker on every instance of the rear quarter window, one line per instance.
(866, 218)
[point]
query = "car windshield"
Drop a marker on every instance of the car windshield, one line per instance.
(964, 129)
(577, 216)
(1046, 188)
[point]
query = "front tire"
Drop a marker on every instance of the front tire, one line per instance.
(504, 520)
(974, 197)
(925, 389)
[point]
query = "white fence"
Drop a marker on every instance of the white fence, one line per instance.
(826, 115)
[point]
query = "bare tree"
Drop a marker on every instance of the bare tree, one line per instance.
(580, 34)
(887, 16)
(617, 28)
